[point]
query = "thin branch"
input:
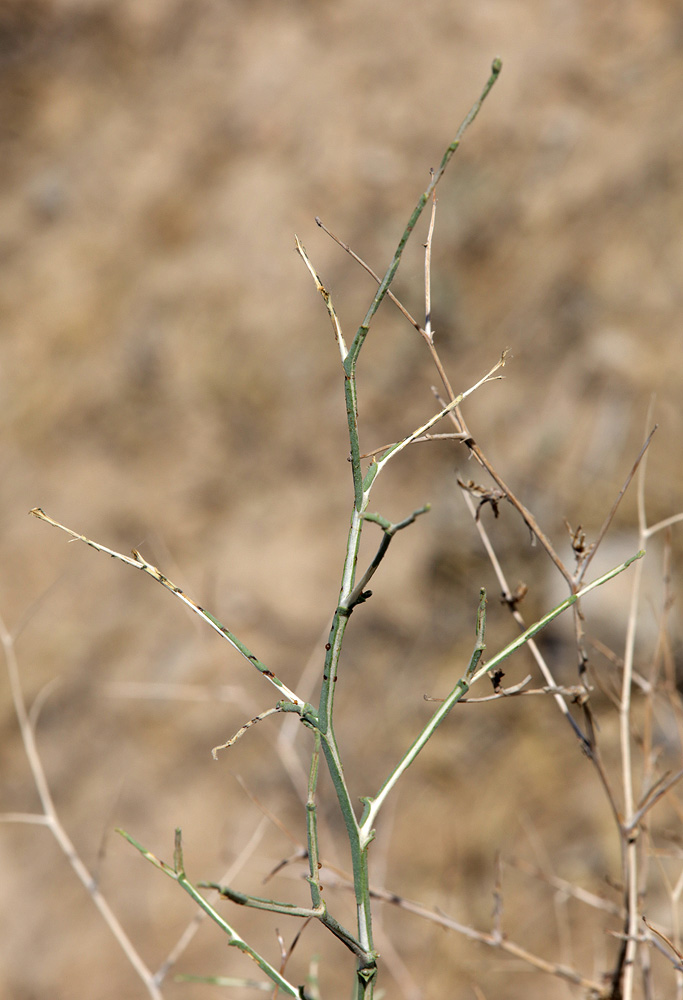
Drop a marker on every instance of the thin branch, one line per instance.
(366, 267)
(52, 821)
(661, 525)
(243, 729)
(503, 944)
(471, 676)
(624, 973)
(428, 332)
(652, 797)
(532, 524)
(36, 819)
(201, 915)
(562, 885)
(137, 562)
(586, 561)
(418, 440)
(516, 691)
(667, 941)
(177, 873)
(327, 299)
(511, 603)
(386, 281)
(359, 593)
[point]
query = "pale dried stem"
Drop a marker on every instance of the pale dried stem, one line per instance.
(428, 332)
(461, 427)
(390, 295)
(568, 888)
(492, 940)
(417, 440)
(585, 563)
(631, 815)
(668, 522)
(242, 730)
(507, 596)
(336, 325)
(51, 820)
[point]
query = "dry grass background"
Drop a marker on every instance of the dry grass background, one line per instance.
(168, 381)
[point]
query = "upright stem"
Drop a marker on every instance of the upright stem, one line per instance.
(366, 967)
(348, 597)
(629, 832)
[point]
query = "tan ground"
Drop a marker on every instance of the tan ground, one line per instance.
(168, 380)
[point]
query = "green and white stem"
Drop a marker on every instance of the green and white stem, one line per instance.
(349, 595)
(471, 676)
(138, 562)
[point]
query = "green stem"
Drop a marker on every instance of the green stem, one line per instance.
(177, 873)
(291, 910)
(472, 674)
(262, 903)
(389, 530)
(350, 595)
(312, 827)
(351, 359)
(137, 562)
(361, 333)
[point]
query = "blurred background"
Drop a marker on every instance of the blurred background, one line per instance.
(169, 381)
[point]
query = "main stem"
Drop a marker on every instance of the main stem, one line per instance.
(366, 970)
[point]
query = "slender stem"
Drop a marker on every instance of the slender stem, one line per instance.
(177, 873)
(613, 509)
(137, 562)
(511, 603)
(429, 333)
(262, 903)
(350, 594)
(312, 827)
(389, 531)
(351, 359)
(394, 449)
(362, 331)
(372, 806)
(327, 299)
(629, 833)
(50, 818)
(471, 676)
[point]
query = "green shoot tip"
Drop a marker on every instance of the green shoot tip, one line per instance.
(496, 65)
